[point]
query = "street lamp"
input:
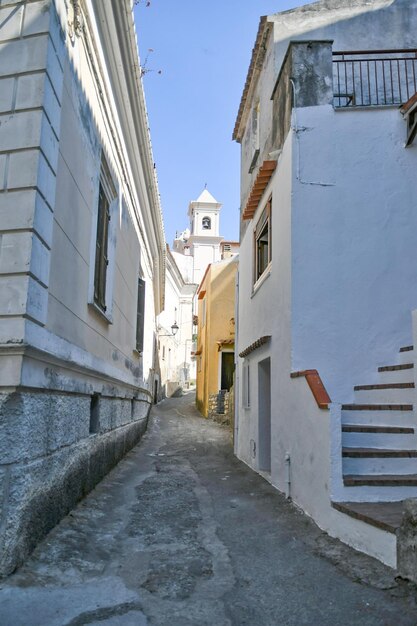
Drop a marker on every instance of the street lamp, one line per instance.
(174, 330)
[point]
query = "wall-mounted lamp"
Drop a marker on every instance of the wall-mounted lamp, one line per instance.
(174, 330)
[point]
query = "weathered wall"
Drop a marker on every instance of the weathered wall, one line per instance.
(354, 256)
(56, 461)
(339, 293)
(351, 24)
(74, 392)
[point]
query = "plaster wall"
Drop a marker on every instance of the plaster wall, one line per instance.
(352, 24)
(175, 352)
(84, 136)
(353, 252)
(299, 428)
(74, 392)
(204, 253)
(261, 99)
(338, 296)
(270, 306)
(219, 285)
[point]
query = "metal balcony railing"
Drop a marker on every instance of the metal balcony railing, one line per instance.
(374, 77)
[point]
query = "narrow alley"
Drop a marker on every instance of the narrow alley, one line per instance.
(181, 533)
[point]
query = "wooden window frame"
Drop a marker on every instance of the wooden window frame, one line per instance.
(102, 251)
(102, 243)
(140, 315)
(263, 223)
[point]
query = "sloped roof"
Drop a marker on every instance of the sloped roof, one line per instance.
(205, 196)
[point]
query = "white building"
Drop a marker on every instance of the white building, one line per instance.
(81, 258)
(328, 263)
(193, 251)
(176, 364)
(198, 246)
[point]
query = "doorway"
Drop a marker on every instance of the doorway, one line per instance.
(264, 415)
(228, 367)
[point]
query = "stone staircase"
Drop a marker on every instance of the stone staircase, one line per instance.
(379, 439)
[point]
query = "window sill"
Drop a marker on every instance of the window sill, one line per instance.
(261, 280)
(106, 316)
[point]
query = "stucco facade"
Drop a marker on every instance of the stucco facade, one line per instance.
(77, 349)
(327, 269)
(216, 331)
(177, 366)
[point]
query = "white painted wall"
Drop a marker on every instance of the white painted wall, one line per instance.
(56, 134)
(341, 288)
(354, 267)
(176, 364)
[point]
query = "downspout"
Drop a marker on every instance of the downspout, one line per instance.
(237, 377)
(287, 476)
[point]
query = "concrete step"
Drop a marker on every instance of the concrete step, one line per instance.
(378, 418)
(403, 373)
(374, 461)
(381, 480)
(376, 436)
(391, 393)
(406, 355)
(385, 515)
(377, 493)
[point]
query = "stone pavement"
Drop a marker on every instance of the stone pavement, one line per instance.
(182, 534)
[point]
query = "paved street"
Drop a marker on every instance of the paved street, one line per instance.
(183, 534)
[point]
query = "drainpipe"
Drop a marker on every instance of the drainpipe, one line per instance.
(237, 377)
(287, 476)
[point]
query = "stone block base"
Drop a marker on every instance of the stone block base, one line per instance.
(40, 485)
(407, 542)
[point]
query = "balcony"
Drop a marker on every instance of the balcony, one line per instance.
(374, 78)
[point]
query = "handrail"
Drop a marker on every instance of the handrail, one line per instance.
(316, 385)
(371, 52)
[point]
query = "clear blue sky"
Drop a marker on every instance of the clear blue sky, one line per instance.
(203, 49)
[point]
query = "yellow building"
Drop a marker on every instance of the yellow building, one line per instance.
(216, 335)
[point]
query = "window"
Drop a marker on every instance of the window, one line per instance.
(102, 261)
(254, 136)
(140, 321)
(103, 244)
(94, 413)
(263, 242)
(206, 223)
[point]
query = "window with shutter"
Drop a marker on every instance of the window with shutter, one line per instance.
(262, 241)
(140, 323)
(103, 218)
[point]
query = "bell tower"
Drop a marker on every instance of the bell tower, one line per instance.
(204, 241)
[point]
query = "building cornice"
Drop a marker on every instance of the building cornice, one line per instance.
(255, 66)
(116, 24)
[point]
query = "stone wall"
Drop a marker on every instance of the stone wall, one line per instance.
(220, 407)
(66, 444)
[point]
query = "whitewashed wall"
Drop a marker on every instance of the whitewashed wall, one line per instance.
(354, 271)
